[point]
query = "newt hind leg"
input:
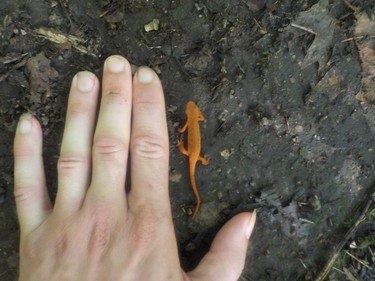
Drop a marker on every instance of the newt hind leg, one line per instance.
(182, 148)
(204, 160)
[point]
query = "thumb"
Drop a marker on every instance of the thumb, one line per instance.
(226, 258)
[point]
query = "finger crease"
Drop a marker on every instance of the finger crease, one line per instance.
(71, 163)
(149, 148)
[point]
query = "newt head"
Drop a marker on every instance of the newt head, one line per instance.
(193, 110)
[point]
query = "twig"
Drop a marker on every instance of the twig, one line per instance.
(303, 28)
(322, 276)
(7, 60)
(4, 272)
(357, 38)
(357, 259)
(306, 221)
(338, 270)
(352, 276)
(350, 6)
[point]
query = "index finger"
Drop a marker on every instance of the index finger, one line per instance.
(149, 146)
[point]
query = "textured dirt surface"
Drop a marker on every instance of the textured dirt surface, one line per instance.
(285, 87)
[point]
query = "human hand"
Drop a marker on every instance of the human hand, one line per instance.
(95, 230)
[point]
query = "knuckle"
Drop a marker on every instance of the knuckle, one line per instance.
(31, 251)
(64, 244)
(146, 225)
(66, 163)
(149, 147)
(109, 148)
(25, 191)
(100, 235)
(153, 185)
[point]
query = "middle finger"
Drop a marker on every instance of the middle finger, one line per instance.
(111, 139)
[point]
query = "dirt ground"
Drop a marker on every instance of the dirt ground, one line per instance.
(285, 86)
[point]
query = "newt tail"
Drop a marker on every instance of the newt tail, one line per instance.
(195, 189)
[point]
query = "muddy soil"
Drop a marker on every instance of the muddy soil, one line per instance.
(290, 127)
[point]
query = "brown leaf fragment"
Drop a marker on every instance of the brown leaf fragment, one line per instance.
(365, 39)
(332, 84)
(40, 74)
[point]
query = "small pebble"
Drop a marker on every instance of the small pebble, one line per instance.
(298, 129)
(256, 5)
(219, 195)
(265, 121)
(190, 247)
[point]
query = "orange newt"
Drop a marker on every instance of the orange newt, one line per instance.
(194, 115)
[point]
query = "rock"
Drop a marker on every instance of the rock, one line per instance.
(256, 5)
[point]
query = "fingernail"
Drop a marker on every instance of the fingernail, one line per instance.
(85, 81)
(25, 124)
(251, 224)
(145, 75)
(115, 64)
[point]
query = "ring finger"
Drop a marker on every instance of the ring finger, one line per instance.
(75, 156)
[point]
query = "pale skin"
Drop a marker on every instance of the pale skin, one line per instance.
(95, 230)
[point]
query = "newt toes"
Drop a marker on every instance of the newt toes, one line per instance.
(193, 150)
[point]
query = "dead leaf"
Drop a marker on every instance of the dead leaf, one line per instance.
(40, 75)
(364, 33)
(331, 84)
(319, 22)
